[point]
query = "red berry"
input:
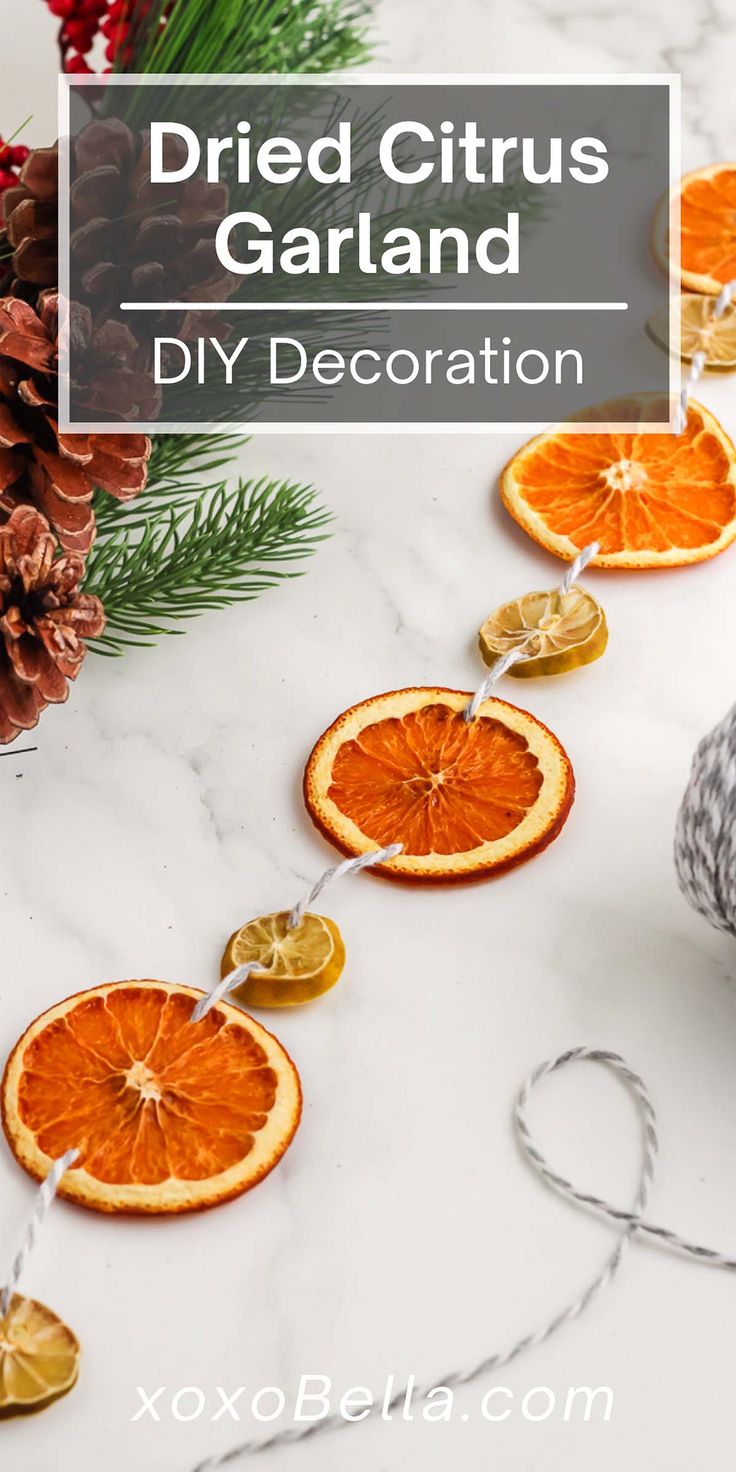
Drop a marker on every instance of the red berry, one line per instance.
(7, 179)
(18, 154)
(115, 30)
(62, 8)
(79, 34)
(77, 65)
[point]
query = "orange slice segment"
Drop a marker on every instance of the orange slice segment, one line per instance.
(649, 500)
(168, 1115)
(39, 1357)
(707, 200)
(467, 800)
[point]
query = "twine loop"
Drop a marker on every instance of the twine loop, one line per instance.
(629, 1220)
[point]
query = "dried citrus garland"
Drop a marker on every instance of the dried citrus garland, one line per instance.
(176, 1100)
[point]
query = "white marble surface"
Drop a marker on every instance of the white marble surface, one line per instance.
(403, 1233)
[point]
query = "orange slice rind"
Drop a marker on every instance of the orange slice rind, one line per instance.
(557, 632)
(466, 799)
(168, 1115)
(295, 965)
(39, 1357)
(649, 500)
(707, 201)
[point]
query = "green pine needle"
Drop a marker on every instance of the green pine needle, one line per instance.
(224, 549)
(207, 36)
(177, 472)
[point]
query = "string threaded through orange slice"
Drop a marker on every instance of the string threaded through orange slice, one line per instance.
(707, 199)
(649, 500)
(467, 800)
(168, 1115)
(700, 332)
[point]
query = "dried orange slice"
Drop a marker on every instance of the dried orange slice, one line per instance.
(649, 500)
(168, 1115)
(39, 1357)
(557, 632)
(295, 965)
(465, 799)
(700, 331)
(707, 200)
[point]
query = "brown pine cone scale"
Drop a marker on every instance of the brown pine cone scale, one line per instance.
(44, 621)
(40, 466)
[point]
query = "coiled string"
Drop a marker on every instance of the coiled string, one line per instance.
(630, 1219)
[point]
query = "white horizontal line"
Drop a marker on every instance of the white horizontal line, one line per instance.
(374, 306)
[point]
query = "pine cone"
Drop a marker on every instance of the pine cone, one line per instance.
(129, 239)
(40, 466)
(31, 213)
(44, 621)
(111, 371)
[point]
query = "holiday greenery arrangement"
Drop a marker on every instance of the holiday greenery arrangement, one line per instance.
(108, 541)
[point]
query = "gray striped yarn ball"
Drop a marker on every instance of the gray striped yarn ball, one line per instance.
(705, 836)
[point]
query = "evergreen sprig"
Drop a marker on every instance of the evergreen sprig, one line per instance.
(218, 550)
(208, 36)
(189, 543)
(177, 472)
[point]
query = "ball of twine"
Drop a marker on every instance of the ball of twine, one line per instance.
(705, 836)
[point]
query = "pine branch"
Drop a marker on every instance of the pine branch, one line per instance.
(185, 456)
(226, 549)
(176, 469)
(264, 36)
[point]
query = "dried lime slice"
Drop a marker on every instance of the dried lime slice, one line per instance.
(699, 331)
(39, 1357)
(557, 631)
(295, 965)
